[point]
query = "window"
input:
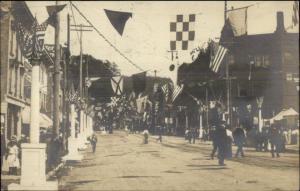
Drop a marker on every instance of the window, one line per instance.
(296, 77)
(262, 61)
(231, 59)
(288, 58)
(289, 77)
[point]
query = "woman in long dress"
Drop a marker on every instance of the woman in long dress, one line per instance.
(12, 156)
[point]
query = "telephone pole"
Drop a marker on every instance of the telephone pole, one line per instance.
(82, 118)
(56, 101)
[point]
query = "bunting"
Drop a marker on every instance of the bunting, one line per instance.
(118, 19)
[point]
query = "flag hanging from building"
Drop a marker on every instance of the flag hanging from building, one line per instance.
(295, 18)
(139, 82)
(238, 21)
(177, 90)
(117, 84)
(182, 29)
(118, 19)
(218, 53)
(166, 90)
(52, 11)
(32, 41)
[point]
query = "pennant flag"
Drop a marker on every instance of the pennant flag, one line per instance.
(52, 11)
(118, 19)
(218, 53)
(117, 84)
(114, 101)
(176, 92)
(139, 82)
(295, 18)
(238, 21)
(182, 29)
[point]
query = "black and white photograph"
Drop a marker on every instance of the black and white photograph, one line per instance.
(149, 95)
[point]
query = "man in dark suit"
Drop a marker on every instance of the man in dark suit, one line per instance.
(221, 141)
(239, 139)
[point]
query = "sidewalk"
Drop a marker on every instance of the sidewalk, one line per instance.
(8, 179)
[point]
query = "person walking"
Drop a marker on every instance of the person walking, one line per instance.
(146, 135)
(239, 139)
(94, 141)
(221, 142)
(212, 136)
(12, 156)
(160, 131)
(193, 135)
(274, 137)
(3, 147)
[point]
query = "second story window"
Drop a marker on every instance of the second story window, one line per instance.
(262, 61)
(289, 77)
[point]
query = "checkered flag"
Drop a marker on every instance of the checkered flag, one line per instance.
(182, 30)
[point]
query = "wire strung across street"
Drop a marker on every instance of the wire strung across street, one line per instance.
(113, 46)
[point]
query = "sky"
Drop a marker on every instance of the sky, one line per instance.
(146, 36)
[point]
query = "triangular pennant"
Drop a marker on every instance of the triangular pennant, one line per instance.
(118, 19)
(52, 11)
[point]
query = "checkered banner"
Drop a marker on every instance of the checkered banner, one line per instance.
(182, 29)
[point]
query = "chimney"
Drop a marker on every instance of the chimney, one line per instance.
(280, 22)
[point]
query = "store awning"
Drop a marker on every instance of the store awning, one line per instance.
(45, 121)
(284, 113)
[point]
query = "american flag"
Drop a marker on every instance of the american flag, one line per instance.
(166, 90)
(176, 92)
(26, 38)
(217, 58)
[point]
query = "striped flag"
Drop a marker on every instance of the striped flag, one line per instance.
(176, 92)
(217, 55)
(33, 37)
(165, 89)
(295, 18)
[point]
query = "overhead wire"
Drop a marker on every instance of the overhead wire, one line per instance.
(106, 40)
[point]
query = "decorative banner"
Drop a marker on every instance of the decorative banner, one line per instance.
(176, 92)
(139, 82)
(52, 11)
(117, 84)
(182, 32)
(238, 21)
(295, 18)
(118, 19)
(218, 53)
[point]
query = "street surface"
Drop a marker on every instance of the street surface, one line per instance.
(123, 162)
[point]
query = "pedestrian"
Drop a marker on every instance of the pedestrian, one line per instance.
(160, 129)
(274, 137)
(146, 135)
(239, 139)
(193, 135)
(3, 147)
(265, 141)
(221, 141)
(212, 136)
(12, 156)
(94, 141)
(229, 140)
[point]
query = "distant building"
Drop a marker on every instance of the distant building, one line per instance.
(266, 65)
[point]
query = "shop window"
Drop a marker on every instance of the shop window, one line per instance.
(289, 77)
(262, 61)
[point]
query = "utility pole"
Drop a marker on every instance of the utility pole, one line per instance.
(66, 88)
(56, 100)
(228, 87)
(82, 115)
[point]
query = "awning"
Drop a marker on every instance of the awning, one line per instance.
(284, 113)
(45, 121)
